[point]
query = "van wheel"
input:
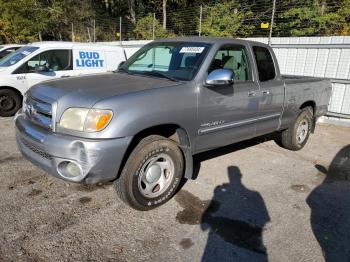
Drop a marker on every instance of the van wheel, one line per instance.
(10, 102)
(152, 173)
(295, 137)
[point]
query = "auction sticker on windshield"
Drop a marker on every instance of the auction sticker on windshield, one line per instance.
(192, 49)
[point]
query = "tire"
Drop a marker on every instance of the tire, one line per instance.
(10, 102)
(151, 174)
(294, 139)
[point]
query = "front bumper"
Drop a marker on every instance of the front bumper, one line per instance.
(99, 160)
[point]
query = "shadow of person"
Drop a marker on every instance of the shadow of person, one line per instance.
(235, 218)
(330, 208)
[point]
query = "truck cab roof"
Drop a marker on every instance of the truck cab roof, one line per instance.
(210, 40)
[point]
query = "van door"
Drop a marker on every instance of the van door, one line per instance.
(58, 64)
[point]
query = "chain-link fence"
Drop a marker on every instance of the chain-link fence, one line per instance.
(225, 19)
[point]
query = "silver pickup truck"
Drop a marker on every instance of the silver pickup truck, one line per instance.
(140, 126)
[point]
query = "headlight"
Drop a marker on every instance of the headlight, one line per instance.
(87, 120)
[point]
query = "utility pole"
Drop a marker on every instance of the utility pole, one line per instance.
(272, 19)
(200, 20)
(120, 30)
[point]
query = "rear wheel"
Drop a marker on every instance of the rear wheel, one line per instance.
(10, 102)
(295, 137)
(152, 173)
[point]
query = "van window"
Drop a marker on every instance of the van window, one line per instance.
(17, 56)
(233, 57)
(7, 51)
(54, 60)
(266, 67)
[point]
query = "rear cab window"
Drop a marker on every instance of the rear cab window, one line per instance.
(265, 64)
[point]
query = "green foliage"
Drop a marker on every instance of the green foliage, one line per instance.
(22, 20)
(27, 20)
(227, 20)
(144, 28)
(315, 19)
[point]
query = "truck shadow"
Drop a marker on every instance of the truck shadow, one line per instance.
(198, 158)
(330, 208)
(235, 218)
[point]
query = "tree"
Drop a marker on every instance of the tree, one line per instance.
(22, 20)
(132, 11)
(314, 19)
(164, 14)
(144, 28)
(227, 20)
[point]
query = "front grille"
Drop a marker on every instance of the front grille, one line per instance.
(36, 150)
(39, 112)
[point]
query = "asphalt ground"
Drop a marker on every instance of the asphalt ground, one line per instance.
(252, 201)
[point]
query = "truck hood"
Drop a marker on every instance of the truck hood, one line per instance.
(85, 91)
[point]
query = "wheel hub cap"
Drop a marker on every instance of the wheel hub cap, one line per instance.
(156, 175)
(302, 131)
(153, 173)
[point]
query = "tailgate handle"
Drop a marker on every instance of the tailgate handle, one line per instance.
(266, 92)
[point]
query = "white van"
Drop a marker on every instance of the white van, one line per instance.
(7, 49)
(43, 61)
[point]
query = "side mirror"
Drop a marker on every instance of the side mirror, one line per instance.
(41, 69)
(220, 77)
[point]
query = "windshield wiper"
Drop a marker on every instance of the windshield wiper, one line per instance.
(159, 73)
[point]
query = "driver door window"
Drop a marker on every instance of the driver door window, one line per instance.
(54, 60)
(233, 57)
(57, 62)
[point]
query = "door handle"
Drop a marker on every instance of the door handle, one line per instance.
(251, 93)
(65, 76)
(266, 92)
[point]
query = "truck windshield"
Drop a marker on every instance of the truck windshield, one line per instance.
(172, 60)
(15, 57)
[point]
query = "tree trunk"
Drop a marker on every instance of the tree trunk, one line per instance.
(132, 11)
(164, 14)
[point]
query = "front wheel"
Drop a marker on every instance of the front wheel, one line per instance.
(10, 102)
(295, 137)
(152, 173)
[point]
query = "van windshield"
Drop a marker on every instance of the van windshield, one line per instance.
(15, 57)
(172, 60)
